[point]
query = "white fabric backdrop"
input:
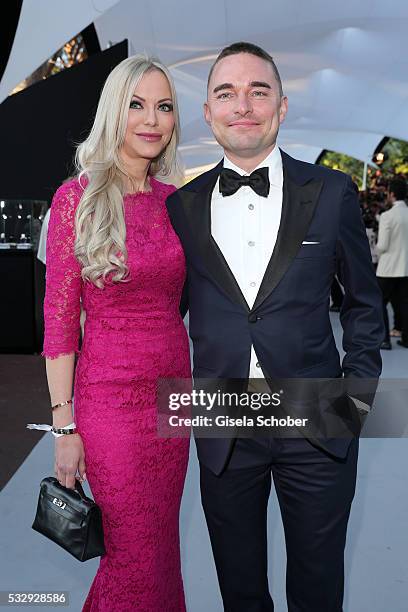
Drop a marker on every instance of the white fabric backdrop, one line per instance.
(344, 64)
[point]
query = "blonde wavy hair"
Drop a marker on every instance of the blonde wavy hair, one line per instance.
(99, 220)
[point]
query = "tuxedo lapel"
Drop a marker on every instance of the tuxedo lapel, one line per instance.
(197, 208)
(300, 197)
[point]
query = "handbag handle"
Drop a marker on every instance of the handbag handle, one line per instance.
(79, 488)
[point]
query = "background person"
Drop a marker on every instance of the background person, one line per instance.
(392, 268)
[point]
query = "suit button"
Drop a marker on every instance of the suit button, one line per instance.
(253, 318)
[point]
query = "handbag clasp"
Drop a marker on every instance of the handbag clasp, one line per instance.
(59, 502)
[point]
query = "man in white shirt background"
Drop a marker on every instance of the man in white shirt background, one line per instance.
(392, 248)
(264, 235)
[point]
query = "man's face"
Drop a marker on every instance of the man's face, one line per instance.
(244, 108)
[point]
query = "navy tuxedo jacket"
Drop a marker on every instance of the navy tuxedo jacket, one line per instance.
(289, 323)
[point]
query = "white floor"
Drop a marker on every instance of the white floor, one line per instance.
(376, 555)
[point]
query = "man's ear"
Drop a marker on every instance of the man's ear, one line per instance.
(283, 109)
(207, 113)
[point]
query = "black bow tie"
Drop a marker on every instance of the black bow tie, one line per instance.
(231, 181)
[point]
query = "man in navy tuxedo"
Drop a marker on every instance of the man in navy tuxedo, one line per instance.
(264, 236)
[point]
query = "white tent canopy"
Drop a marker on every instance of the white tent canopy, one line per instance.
(344, 65)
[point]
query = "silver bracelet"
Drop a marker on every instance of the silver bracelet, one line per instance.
(62, 431)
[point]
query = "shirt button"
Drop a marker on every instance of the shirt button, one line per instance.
(252, 284)
(251, 207)
(251, 243)
(257, 364)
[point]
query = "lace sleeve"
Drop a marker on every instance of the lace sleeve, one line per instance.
(63, 277)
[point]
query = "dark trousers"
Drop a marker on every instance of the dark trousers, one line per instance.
(314, 491)
(396, 287)
(397, 313)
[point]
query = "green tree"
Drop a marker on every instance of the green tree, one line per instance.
(350, 165)
(396, 162)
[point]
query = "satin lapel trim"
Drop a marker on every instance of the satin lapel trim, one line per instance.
(298, 205)
(197, 208)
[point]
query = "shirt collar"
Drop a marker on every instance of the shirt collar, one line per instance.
(399, 202)
(273, 162)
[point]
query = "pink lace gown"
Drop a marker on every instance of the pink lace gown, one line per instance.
(133, 334)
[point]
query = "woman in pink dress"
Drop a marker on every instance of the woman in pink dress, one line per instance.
(111, 246)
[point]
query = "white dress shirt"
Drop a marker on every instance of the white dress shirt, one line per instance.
(245, 226)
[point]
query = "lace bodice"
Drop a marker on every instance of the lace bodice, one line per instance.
(155, 260)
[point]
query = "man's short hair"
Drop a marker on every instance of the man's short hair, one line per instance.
(399, 188)
(246, 47)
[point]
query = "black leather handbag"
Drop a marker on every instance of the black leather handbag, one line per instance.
(70, 519)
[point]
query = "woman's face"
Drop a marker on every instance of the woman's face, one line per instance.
(150, 121)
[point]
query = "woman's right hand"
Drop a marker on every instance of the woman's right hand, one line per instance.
(69, 458)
